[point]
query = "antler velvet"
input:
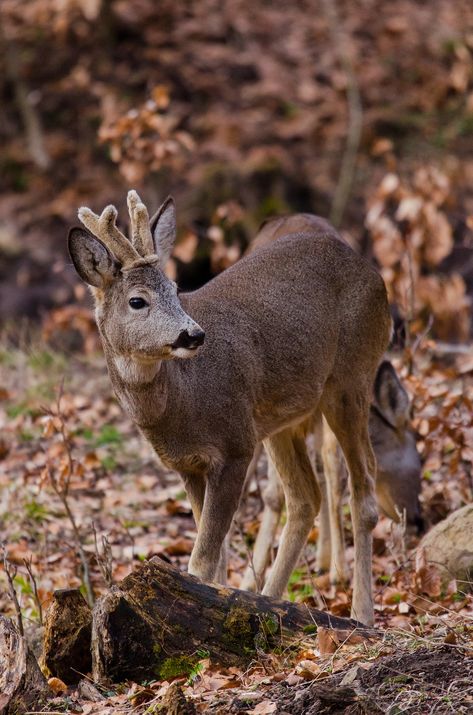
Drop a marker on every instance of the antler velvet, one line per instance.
(131, 254)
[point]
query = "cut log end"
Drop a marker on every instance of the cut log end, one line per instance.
(22, 685)
(67, 633)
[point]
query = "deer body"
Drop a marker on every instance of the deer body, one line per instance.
(398, 467)
(292, 330)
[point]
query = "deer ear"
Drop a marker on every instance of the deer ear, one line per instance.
(390, 396)
(91, 258)
(163, 229)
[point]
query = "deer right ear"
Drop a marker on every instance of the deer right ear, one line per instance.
(91, 258)
(163, 230)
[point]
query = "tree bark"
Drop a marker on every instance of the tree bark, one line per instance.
(22, 685)
(160, 622)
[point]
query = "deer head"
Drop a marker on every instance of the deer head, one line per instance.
(138, 311)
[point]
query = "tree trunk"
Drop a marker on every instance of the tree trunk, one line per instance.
(160, 621)
(22, 685)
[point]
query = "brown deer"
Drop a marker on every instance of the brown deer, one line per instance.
(292, 331)
(398, 471)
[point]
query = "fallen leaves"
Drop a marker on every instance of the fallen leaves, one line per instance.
(411, 236)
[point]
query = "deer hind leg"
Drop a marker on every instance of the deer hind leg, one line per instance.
(288, 451)
(273, 498)
(347, 410)
(324, 545)
(335, 476)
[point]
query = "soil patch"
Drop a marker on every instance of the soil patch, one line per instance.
(422, 682)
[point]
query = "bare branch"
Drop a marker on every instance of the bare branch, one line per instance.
(29, 567)
(10, 573)
(27, 110)
(104, 559)
(355, 115)
(61, 489)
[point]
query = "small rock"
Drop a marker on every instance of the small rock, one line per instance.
(449, 546)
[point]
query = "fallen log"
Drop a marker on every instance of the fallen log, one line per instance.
(159, 622)
(22, 685)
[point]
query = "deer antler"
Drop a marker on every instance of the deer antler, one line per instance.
(131, 254)
(140, 231)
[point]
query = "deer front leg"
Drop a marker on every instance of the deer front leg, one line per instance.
(222, 494)
(273, 498)
(195, 489)
(347, 412)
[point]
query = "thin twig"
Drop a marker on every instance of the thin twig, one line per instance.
(10, 574)
(29, 115)
(319, 599)
(249, 553)
(62, 491)
(355, 115)
(29, 567)
(104, 559)
(62, 494)
(417, 343)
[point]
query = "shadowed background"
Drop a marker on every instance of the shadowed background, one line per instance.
(361, 112)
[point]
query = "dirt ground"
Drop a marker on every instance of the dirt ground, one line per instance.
(426, 681)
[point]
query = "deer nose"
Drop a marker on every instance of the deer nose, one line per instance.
(190, 341)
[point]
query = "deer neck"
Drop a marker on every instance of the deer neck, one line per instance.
(141, 388)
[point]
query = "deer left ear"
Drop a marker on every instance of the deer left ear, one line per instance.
(390, 395)
(163, 230)
(91, 258)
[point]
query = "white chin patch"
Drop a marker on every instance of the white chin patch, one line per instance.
(132, 371)
(183, 352)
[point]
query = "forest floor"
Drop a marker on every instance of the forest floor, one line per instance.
(63, 437)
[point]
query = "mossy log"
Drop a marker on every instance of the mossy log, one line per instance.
(22, 685)
(67, 631)
(158, 622)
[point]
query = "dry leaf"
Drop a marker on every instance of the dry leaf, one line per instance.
(327, 640)
(180, 547)
(57, 686)
(427, 576)
(265, 707)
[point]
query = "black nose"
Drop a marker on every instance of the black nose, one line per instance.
(190, 341)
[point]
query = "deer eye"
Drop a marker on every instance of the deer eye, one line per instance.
(137, 303)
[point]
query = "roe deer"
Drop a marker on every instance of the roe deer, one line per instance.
(292, 330)
(398, 463)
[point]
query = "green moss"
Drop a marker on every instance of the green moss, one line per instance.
(269, 624)
(237, 630)
(179, 665)
(309, 629)
(269, 627)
